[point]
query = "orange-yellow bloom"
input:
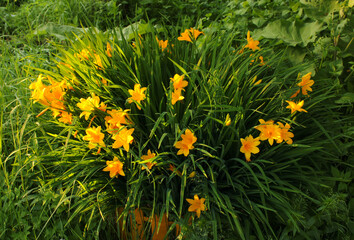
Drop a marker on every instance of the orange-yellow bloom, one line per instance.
(97, 61)
(188, 33)
(149, 155)
(162, 44)
(197, 205)
(227, 120)
(178, 82)
(89, 104)
(172, 168)
(188, 137)
(252, 44)
(306, 83)
(65, 117)
(95, 137)
(183, 148)
(123, 138)
(114, 168)
(52, 95)
(249, 145)
(38, 89)
(186, 144)
(176, 96)
(84, 54)
(263, 124)
(262, 61)
(137, 94)
(296, 106)
(285, 135)
(295, 94)
(116, 119)
(269, 132)
(109, 50)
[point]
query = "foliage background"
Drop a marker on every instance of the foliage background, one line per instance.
(317, 34)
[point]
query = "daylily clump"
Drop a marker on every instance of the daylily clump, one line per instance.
(117, 118)
(218, 103)
(285, 135)
(274, 132)
(52, 96)
(269, 131)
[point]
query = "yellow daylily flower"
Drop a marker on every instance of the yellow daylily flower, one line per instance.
(251, 44)
(147, 157)
(188, 33)
(114, 168)
(249, 145)
(186, 144)
(176, 96)
(109, 50)
(178, 82)
(95, 137)
(296, 106)
(197, 205)
(123, 138)
(285, 135)
(137, 94)
(306, 83)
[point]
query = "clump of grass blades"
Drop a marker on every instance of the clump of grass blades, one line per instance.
(222, 103)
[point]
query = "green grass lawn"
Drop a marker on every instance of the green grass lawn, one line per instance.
(53, 186)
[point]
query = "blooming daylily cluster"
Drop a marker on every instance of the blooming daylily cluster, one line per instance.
(268, 132)
(189, 35)
(305, 85)
(118, 126)
(178, 85)
(186, 144)
(117, 132)
(276, 132)
(52, 96)
(117, 122)
(87, 54)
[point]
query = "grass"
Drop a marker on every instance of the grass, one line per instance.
(34, 209)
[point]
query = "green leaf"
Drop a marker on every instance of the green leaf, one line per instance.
(346, 98)
(296, 55)
(61, 32)
(292, 33)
